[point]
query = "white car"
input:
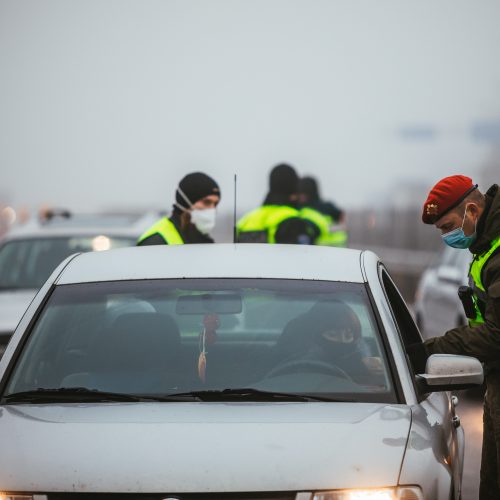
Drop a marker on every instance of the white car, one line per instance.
(226, 372)
(437, 306)
(30, 253)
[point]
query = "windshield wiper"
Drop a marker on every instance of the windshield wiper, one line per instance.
(251, 394)
(84, 394)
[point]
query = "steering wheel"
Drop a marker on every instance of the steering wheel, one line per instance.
(308, 365)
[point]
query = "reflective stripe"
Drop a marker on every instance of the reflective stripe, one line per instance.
(476, 282)
(166, 229)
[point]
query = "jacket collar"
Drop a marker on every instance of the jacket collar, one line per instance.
(488, 226)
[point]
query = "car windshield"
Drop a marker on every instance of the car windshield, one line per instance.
(205, 336)
(27, 263)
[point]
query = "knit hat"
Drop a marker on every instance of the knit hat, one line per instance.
(447, 194)
(283, 180)
(194, 187)
(309, 187)
(334, 315)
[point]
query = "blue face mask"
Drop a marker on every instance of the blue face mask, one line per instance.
(457, 238)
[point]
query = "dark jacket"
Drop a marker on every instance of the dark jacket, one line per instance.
(483, 341)
(328, 208)
(189, 235)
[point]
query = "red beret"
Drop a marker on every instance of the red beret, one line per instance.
(447, 194)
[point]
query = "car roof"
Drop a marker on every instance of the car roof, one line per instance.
(84, 225)
(65, 231)
(216, 261)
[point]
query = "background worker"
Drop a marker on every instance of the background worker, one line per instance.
(193, 215)
(309, 202)
(469, 219)
(278, 220)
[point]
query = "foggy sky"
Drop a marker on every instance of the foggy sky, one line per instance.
(109, 103)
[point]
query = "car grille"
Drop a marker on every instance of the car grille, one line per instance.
(173, 496)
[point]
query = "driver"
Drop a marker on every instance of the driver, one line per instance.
(336, 334)
(330, 332)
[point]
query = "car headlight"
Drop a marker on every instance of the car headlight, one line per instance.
(7, 496)
(18, 496)
(401, 493)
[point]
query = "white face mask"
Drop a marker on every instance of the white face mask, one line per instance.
(204, 220)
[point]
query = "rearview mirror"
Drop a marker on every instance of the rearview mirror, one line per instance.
(448, 372)
(209, 303)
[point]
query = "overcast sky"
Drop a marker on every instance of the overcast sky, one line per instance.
(109, 103)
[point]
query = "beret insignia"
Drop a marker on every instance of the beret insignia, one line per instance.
(431, 209)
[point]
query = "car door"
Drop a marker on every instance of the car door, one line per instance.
(435, 413)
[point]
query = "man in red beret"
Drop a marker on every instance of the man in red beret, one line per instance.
(469, 219)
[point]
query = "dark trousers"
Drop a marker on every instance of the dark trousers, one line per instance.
(489, 488)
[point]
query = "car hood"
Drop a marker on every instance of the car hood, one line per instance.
(201, 447)
(12, 306)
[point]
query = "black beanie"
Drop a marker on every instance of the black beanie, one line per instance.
(283, 180)
(309, 187)
(195, 186)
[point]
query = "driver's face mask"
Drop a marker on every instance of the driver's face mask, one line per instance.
(340, 335)
(203, 219)
(337, 344)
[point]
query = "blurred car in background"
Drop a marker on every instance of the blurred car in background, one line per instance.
(30, 253)
(437, 306)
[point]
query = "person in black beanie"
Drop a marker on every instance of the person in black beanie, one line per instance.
(193, 215)
(283, 181)
(308, 196)
(333, 232)
(278, 220)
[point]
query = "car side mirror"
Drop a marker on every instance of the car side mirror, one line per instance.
(450, 274)
(449, 372)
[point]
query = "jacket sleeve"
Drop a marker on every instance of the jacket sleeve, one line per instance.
(483, 341)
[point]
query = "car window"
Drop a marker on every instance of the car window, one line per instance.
(171, 336)
(404, 321)
(26, 264)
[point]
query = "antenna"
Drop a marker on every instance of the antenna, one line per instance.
(234, 212)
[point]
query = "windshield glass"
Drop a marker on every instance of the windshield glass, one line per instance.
(26, 264)
(164, 337)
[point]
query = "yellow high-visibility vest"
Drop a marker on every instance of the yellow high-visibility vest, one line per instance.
(166, 229)
(260, 225)
(330, 234)
(476, 282)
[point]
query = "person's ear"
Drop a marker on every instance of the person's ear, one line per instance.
(473, 209)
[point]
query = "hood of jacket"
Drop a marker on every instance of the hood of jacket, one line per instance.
(488, 226)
